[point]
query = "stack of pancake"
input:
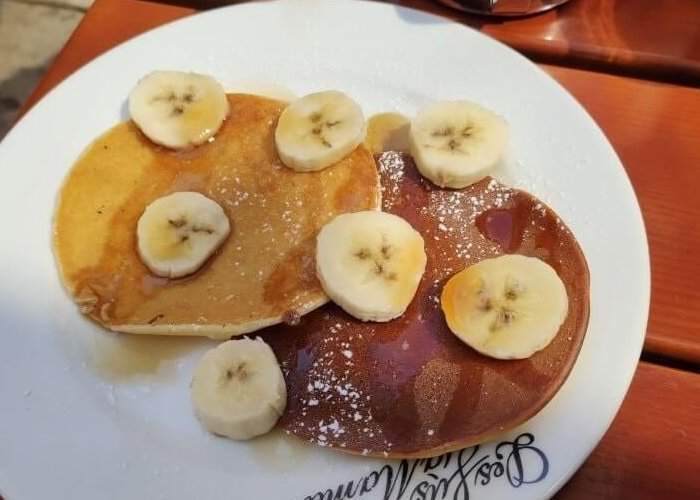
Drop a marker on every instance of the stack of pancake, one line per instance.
(403, 388)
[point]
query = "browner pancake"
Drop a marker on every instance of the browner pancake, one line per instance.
(262, 273)
(410, 387)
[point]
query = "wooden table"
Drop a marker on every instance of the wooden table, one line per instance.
(635, 66)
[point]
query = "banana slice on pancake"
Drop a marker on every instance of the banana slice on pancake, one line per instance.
(370, 263)
(318, 130)
(507, 307)
(179, 232)
(457, 143)
(177, 109)
(238, 389)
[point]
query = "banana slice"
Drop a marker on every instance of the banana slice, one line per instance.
(456, 143)
(238, 389)
(179, 232)
(370, 263)
(508, 307)
(177, 109)
(319, 130)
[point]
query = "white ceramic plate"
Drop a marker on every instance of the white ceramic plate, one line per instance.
(73, 426)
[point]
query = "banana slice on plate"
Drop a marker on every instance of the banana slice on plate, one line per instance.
(370, 263)
(319, 130)
(507, 307)
(238, 389)
(179, 232)
(456, 143)
(177, 109)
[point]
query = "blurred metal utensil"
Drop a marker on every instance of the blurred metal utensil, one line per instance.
(503, 7)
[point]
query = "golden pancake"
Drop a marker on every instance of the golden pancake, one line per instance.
(262, 274)
(409, 387)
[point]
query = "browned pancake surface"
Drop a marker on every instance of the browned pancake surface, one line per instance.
(264, 270)
(410, 387)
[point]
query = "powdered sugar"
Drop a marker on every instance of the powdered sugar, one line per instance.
(391, 168)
